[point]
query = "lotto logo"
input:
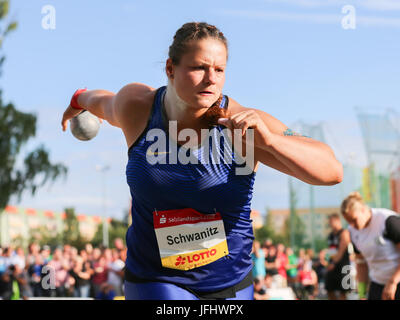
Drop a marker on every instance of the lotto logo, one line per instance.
(195, 257)
(179, 261)
(201, 256)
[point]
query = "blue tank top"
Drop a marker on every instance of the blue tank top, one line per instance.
(204, 187)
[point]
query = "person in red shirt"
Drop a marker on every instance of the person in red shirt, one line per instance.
(282, 262)
(100, 274)
(308, 280)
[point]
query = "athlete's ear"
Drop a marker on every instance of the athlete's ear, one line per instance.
(169, 68)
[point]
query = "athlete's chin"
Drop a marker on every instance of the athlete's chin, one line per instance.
(205, 100)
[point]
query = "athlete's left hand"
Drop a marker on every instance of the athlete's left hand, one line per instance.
(249, 119)
(389, 291)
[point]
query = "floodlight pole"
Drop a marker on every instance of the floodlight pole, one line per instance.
(103, 170)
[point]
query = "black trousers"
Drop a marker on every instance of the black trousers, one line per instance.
(376, 289)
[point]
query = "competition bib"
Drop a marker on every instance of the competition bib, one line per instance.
(189, 239)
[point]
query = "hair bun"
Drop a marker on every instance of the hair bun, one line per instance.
(356, 195)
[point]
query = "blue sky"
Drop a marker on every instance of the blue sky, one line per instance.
(290, 58)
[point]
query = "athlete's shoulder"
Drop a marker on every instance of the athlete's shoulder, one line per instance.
(275, 125)
(381, 214)
(133, 103)
(134, 95)
(132, 107)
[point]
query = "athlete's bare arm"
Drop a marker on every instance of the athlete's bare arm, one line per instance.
(389, 291)
(361, 268)
(304, 158)
(98, 102)
(128, 109)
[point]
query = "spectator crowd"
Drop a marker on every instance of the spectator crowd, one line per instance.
(64, 271)
(98, 273)
(278, 267)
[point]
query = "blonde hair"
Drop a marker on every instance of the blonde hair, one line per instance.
(354, 199)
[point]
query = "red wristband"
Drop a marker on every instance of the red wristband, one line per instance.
(74, 101)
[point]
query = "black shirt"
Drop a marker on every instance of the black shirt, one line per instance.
(333, 242)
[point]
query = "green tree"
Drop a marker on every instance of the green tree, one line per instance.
(320, 243)
(44, 236)
(97, 239)
(6, 26)
(294, 231)
(16, 128)
(266, 231)
(71, 234)
(116, 229)
(127, 218)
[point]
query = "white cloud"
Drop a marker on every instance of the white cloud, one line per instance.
(317, 18)
(285, 16)
(373, 5)
(379, 5)
(308, 3)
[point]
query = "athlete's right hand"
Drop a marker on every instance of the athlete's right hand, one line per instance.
(69, 113)
(73, 109)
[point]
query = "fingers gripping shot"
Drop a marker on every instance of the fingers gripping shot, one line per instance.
(84, 125)
(188, 145)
